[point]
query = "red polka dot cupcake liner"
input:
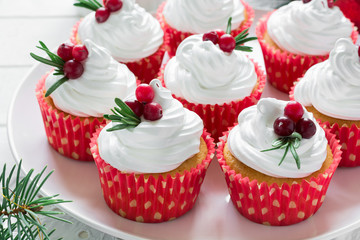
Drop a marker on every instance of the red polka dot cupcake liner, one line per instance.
(278, 205)
(67, 134)
(282, 67)
(349, 137)
(218, 118)
(151, 199)
(145, 69)
(176, 37)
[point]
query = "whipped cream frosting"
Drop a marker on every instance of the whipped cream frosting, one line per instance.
(154, 146)
(308, 29)
(255, 133)
(200, 16)
(130, 34)
(202, 73)
(93, 93)
(333, 86)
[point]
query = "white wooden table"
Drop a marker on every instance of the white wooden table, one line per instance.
(22, 24)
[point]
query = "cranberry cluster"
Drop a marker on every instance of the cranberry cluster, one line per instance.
(103, 13)
(293, 121)
(144, 104)
(226, 42)
(72, 55)
(330, 2)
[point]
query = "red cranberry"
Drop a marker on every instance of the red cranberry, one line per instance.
(359, 51)
(102, 14)
(65, 51)
(136, 106)
(220, 33)
(306, 128)
(73, 69)
(152, 111)
(211, 36)
(144, 93)
(294, 111)
(330, 3)
(80, 53)
(306, 1)
(284, 126)
(113, 5)
(227, 43)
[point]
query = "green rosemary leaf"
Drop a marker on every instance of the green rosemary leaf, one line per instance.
(296, 135)
(127, 110)
(96, 3)
(84, 6)
(128, 121)
(45, 61)
(52, 55)
(270, 149)
(55, 86)
(296, 143)
(244, 48)
(240, 35)
(228, 28)
(285, 145)
(242, 41)
(278, 142)
(113, 117)
(295, 155)
(117, 127)
(285, 153)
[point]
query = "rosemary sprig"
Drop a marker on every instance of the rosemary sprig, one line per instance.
(241, 38)
(20, 208)
(89, 4)
(124, 115)
(291, 143)
(54, 61)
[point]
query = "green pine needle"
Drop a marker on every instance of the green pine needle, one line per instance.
(122, 115)
(291, 143)
(55, 61)
(20, 207)
(89, 4)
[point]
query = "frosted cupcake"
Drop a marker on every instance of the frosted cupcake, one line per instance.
(75, 95)
(132, 35)
(183, 18)
(152, 163)
(330, 90)
(278, 162)
(213, 80)
(299, 35)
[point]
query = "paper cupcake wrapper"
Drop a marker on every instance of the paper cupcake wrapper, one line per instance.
(218, 118)
(278, 205)
(146, 69)
(283, 67)
(176, 37)
(349, 137)
(153, 199)
(70, 135)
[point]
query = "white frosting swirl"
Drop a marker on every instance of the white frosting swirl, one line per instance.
(308, 29)
(333, 86)
(200, 16)
(255, 133)
(93, 93)
(130, 34)
(202, 73)
(154, 146)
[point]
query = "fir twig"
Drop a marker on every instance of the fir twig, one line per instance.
(54, 61)
(122, 115)
(291, 143)
(89, 4)
(20, 208)
(241, 38)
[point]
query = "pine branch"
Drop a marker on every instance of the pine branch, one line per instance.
(20, 208)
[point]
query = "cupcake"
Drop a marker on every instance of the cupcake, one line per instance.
(278, 162)
(181, 18)
(215, 82)
(75, 95)
(330, 90)
(299, 35)
(152, 170)
(132, 35)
